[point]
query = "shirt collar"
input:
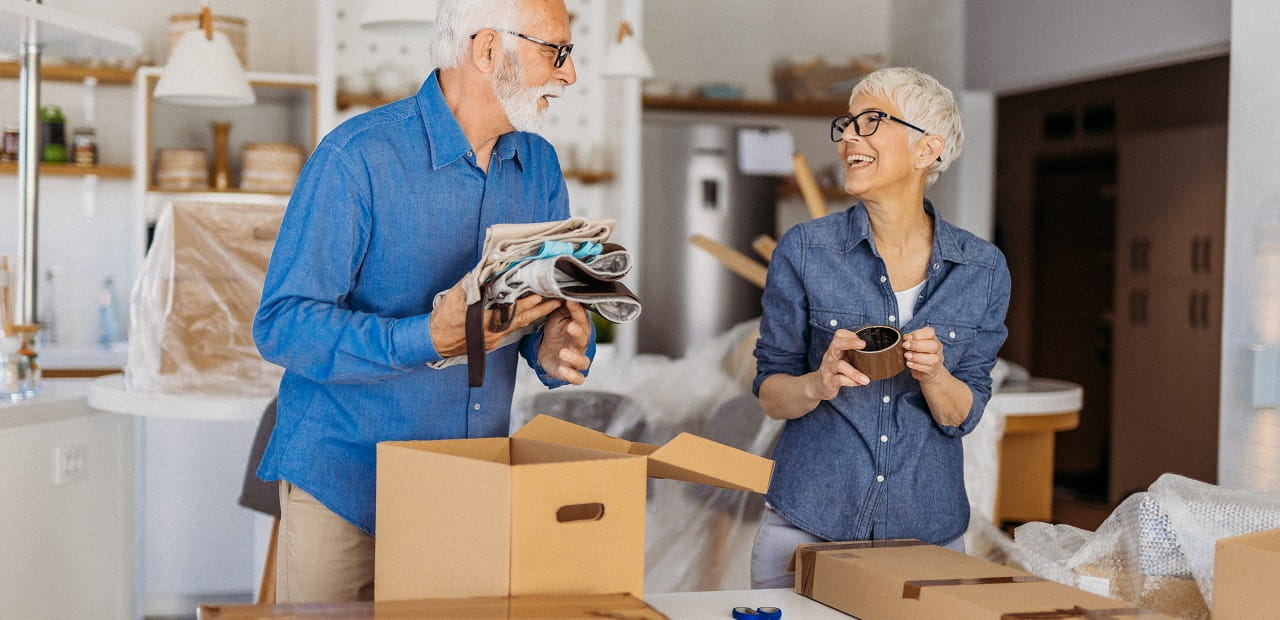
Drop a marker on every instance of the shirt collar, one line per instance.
(445, 140)
(945, 244)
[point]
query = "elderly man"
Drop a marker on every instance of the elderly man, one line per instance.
(390, 210)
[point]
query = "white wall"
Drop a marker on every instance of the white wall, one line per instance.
(1249, 444)
(1017, 45)
(738, 41)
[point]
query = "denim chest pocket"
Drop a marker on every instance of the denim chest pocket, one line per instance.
(823, 325)
(955, 339)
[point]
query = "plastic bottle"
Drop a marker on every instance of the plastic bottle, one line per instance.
(108, 323)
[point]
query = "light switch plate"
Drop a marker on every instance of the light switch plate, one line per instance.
(1266, 375)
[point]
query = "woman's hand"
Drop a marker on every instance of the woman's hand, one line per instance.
(835, 371)
(923, 351)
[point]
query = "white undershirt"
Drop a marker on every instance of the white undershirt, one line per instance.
(907, 303)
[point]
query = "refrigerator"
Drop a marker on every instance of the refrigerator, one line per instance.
(693, 185)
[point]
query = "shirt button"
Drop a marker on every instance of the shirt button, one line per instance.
(833, 323)
(471, 154)
(476, 407)
(893, 319)
(951, 335)
(885, 399)
(884, 439)
(935, 266)
(879, 478)
(883, 278)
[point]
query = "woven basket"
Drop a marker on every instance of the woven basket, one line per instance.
(182, 169)
(236, 29)
(270, 166)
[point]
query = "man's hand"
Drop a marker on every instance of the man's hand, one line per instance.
(564, 343)
(449, 321)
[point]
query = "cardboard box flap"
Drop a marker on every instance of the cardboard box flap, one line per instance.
(688, 457)
(696, 459)
(551, 429)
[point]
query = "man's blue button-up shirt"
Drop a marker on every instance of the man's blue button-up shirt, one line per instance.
(390, 209)
(872, 462)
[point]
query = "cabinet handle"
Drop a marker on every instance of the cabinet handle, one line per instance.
(1204, 309)
(1142, 307)
(1195, 254)
(1193, 304)
(1133, 256)
(1206, 247)
(1146, 258)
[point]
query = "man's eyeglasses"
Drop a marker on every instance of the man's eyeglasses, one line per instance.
(562, 51)
(864, 123)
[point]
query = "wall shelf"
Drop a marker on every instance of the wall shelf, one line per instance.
(213, 192)
(350, 100)
(72, 73)
(72, 170)
(745, 106)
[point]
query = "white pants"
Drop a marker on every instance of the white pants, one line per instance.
(775, 545)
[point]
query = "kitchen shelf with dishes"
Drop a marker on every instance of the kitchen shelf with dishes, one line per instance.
(245, 154)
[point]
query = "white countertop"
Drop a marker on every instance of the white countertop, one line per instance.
(109, 394)
(718, 605)
(1038, 396)
(59, 399)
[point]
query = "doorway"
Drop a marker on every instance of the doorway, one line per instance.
(1075, 237)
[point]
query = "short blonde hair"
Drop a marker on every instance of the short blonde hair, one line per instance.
(924, 102)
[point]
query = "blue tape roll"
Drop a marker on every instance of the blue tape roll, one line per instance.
(761, 613)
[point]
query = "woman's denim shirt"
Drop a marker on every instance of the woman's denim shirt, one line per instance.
(872, 463)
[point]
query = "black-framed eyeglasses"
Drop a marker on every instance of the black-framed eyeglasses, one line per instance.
(864, 123)
(562, 51)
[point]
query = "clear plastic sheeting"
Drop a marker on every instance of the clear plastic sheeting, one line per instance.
(1155, 550)
(698, 537)
(192, 306)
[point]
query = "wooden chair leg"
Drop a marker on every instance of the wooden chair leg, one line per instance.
(267, 590)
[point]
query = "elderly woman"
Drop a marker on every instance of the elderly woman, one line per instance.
(861, 459)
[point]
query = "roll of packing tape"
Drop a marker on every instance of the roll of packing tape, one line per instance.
(760, 613)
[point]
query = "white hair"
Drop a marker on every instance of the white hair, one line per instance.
(457, 20)
(923, 102)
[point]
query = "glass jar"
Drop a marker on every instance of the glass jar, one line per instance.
(84, 146)
(9, 146)
(53, 126)
(15, 376)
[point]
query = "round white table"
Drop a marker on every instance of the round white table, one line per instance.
(1035, 410)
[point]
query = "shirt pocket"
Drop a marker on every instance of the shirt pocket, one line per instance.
(823, 325)
(956, 338)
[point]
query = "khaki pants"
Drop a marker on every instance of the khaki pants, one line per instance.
(320, 557)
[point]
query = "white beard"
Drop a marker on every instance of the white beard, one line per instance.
(518, 101)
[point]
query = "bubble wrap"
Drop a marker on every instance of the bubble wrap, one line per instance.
(1155, 550)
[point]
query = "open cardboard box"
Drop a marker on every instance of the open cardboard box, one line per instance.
(911, 580)
(556, 508)
(1246, 570)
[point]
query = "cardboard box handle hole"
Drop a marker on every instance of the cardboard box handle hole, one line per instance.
(580, 512)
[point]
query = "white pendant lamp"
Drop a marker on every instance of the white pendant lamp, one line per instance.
(204, 70)
(626, 58)
(398, 17)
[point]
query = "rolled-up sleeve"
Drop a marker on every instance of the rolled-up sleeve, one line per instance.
(784, 325)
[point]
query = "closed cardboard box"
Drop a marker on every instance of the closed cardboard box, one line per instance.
(1246, 570)
(911, 580)
(556, 508)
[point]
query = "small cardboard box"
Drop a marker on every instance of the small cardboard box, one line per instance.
(1246, 570)
(911, 580)
(578, 606)
(556, 508)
